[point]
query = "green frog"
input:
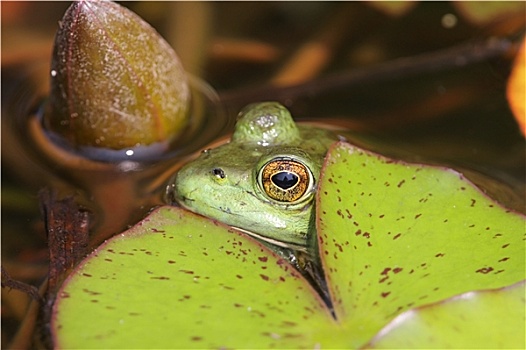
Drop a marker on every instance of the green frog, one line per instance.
(264, 180)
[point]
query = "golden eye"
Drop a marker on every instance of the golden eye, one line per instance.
(285, 180)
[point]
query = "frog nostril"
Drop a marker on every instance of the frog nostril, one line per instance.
(218, 172)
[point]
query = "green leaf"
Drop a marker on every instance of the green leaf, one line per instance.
(177, 280)
(115, 82)
(486, 319)
(395, 236)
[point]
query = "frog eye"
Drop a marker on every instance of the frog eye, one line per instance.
(285, 180)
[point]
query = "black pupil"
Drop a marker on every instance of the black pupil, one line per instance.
(285, 180)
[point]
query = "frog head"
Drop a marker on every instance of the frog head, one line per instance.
(263, 181)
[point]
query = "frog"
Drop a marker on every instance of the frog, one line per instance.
(263, 182)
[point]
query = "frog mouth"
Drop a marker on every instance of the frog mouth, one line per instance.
(272, 241)
(183, 202)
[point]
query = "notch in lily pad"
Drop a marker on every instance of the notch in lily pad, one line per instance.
(115, 82)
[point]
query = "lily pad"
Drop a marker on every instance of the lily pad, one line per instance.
(177, 280)
(484, 319)
(393, 237)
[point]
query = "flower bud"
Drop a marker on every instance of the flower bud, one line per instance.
(115, 82)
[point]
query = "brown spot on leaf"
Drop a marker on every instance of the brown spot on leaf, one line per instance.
(264, 277)
(385, 294)
(504, 259)
(484, 270)
(385, 271)
(90, 292)
(439, 255)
